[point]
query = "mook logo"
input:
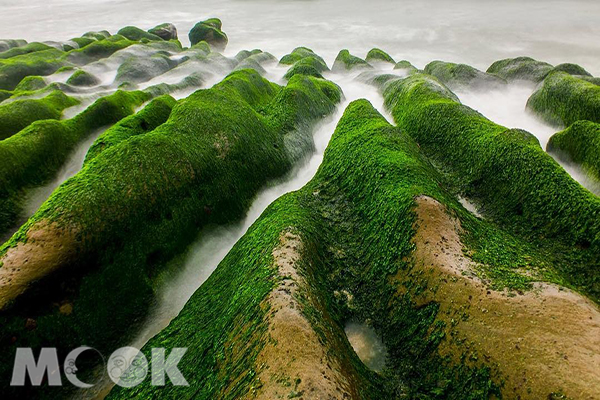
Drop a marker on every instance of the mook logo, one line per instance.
(126, 367)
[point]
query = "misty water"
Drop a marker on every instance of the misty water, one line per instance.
(475, 32)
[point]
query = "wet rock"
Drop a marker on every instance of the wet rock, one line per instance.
(136, 34)
(164, 31)
(210, 32)
(83, 78)
(347, 62)
(458, 76)
(379, 55)
(142, 69)
(520, 68)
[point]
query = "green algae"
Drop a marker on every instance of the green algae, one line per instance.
(14, 69)
(406, 65)
(523, 189)
(34, 155)
(355, 221)
(462, 76)
(520, 68)
(572, 69)
(142, 69)
(19, 114)
(579, 143)
(376, 54)
(83, 78)
(563, 99)
(304, 61)
(139, 202)
(98, 49)
(136, 34)
(347, 62)
(149, 118)
(31, 83)
(26, 49)
(210, 32)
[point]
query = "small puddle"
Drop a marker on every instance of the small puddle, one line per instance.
(469, 206)
(367, 345)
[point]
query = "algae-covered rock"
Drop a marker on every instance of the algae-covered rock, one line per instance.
(142, 69)
(97, 35)
(460, 76)
(572, 69)
(31, 83)
(18, 114)
(6, 44)
(406, 65)
(520, 68)
(98, 49)
(26, 49)
(165, 31)
(579, 143)
(14, 69)
(146, 120)
(136, 34)
(495, 166)
(202, 167)
(35, 154)
(347, 62)
(563, 99)
(83, 41)
(305, 62)
(379, 55)
(83, 78)
(210, 32)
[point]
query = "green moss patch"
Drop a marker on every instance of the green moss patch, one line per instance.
(563, 99)
(579, 143)
(376, 54)
(18, 114)
(520, 68)
(210, 32)
(458, 76)
(346, 62)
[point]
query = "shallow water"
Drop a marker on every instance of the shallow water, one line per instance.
(475, 32)
(367, 345)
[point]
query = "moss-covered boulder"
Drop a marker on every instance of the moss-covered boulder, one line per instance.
(35, 154)
(144, 68)
(300, 53)
(18, 114)
(461, 76)
(97, 35)
(98, 49)
(83, 78)
(31, 83)
(572, 69)
(520, 68)
(379, 55)
(362, 242)
(136, 34)
(6, 44)
(164, 31)
(495, 164)
(202, 167)
(579, 143)
(26, 49)
(14, 69)
(210, 32)
(563, 99)
(347, 62)
(146, 120)
(406, 65)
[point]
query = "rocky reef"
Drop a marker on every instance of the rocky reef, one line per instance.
(466, 250)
